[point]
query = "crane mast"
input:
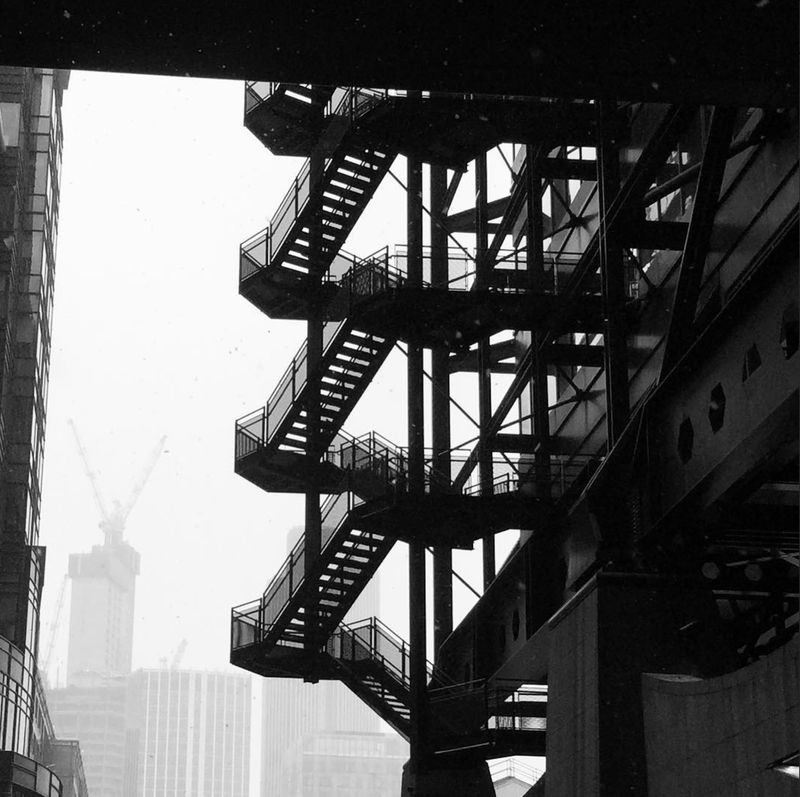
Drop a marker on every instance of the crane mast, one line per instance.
(113, 521)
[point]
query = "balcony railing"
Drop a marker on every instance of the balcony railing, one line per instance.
(496, 705)
(353, 103)
(385, 270)
(528, 477)
(257, 92)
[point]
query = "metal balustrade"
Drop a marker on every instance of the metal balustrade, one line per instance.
(526, 477)
(341, 176)
(385, 270)
(369, 453)
(372, 640)
(257, 429)
(497, 704)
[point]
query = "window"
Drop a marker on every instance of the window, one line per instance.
(9, 121)
(789, 331)
(716, 407)
(685, 440)
(752, 362)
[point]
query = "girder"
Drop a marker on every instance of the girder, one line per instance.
(734, 51)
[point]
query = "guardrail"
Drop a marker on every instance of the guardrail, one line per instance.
(496, 705)
(254, 431)
(527, 478)
(370, 639)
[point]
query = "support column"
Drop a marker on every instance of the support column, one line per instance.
(313, 530)
(612, 272)
(616, 628)
(535, 262)
(416, 479)
(440, 413)
(482, 272)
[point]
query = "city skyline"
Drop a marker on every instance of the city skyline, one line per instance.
(151, 337)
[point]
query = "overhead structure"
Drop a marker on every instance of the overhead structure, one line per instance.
(725, 51)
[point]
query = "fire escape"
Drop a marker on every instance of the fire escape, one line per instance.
(575, 289)
(295, 269)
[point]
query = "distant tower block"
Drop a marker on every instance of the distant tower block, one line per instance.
(103, 587)
(101, 614)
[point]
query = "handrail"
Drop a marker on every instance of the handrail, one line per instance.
(557, 475)
(381, 644)
(492, 705)
(257, 92)
(257, 427)
(355, 102)
(361, 453)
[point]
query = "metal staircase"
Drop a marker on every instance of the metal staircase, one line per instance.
(369, 466)
(271, 441)
(275, 264)
(373, 662)
(286, 117)
(505, 716)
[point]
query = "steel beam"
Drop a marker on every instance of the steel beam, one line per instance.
(483, 266)
(440, 411)
(654, 154)
(748, 53)
(416, 480)
(712, 169)
(464, 221)
(313, 529)
(612, 273)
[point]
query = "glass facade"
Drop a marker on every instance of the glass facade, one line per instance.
(30, 160)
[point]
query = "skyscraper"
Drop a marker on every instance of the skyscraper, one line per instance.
(30, 161)
(101, 611)
(321, 740)
(189, 734)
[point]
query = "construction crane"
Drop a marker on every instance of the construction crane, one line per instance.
(46, 653)
(177, 657)
(113, 520)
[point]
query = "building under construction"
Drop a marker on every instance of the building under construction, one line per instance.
(643, 261)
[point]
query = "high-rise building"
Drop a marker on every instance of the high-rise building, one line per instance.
(92, 707)
(95, 713)
(101, 611)
(30, 162)
(344, 764)
(293, 714)
(189, 734)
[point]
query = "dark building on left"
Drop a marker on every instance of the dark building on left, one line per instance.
(32, 760)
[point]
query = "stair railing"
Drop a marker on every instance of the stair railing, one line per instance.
(370, 639)
(490, 705)
(256, 429)
(257, 92)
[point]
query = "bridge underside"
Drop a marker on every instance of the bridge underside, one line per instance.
(677, 51)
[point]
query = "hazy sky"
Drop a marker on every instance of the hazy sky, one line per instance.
(160, 184)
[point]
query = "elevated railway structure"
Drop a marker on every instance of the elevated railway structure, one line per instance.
(642, 634)
(637, 285)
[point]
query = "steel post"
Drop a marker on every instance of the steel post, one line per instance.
(416, 478)
(482, 275)
(313, 530)
(535, 264)
(440, 411)
(612, 272)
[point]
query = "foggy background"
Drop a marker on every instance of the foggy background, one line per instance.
(160, 184)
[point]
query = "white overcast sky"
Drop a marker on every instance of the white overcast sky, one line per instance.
(160, 183)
